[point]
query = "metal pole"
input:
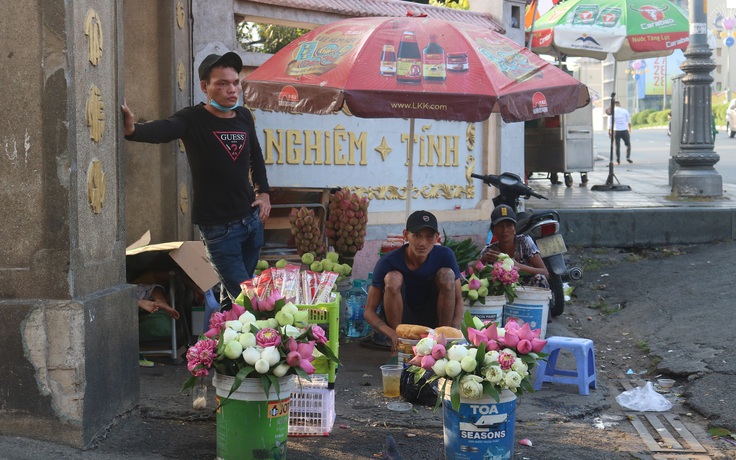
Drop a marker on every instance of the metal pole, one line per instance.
(696, 176)
(664, 91)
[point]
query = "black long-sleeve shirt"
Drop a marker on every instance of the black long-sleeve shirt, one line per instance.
(224, 156)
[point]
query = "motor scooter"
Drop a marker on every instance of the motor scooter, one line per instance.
(542, 226)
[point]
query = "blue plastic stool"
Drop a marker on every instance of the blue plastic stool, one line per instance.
(584, 376)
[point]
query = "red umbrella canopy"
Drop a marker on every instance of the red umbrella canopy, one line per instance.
(412, 68)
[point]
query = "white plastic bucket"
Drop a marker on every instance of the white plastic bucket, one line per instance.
(530, 306)
(492, 310)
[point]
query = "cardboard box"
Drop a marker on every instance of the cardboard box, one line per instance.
(189, 255)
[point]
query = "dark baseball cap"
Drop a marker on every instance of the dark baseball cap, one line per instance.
(501, 213)
(421, 219)
(229, 59)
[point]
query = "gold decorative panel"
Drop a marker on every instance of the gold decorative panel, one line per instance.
(93, 31)
(180, 15)
(181, 76)
(95, 112)
(96, 186)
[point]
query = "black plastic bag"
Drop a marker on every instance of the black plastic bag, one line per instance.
(420, 392)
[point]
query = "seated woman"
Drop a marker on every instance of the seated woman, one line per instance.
(521, 248)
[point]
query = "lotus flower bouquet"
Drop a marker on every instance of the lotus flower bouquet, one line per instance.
(499, 278)
(264, 339)
(489, 360)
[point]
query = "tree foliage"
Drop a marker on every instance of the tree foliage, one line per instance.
(266, 38)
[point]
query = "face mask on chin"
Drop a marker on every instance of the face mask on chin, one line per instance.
(221, 108)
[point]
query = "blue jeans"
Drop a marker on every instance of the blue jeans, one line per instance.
(234, 249)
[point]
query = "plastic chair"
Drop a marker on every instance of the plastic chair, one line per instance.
(584, 374)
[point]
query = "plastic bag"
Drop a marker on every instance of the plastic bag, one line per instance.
(420, 392)
(644, 399)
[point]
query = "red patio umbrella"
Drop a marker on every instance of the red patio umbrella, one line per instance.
(412, 67)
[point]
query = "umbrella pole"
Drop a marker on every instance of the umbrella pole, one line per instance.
(609, 186)
(409, 180)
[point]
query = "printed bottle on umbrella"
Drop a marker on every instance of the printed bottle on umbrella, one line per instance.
(433, 61)
(409, 59)
(388, 61)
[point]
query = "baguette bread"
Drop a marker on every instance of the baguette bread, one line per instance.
(411, 331)
(449, 332)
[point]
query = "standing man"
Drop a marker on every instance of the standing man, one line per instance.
(622, 130)
(224, 156)
(418, 283)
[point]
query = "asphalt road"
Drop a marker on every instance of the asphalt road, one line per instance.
(651, 150)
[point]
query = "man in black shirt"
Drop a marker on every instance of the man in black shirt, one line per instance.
(224, 157)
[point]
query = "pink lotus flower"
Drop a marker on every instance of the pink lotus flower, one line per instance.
(200, 357)
(268, 337)
(300, 355)
(439, 351)
(479, 265)
(319, 334)
(474, 283)
(428, 361)
(234, 313)
(217, 324)
(506, 360)
(489, 336)
(524, 339)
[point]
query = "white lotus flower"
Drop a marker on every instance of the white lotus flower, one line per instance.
(425, 345)
(271, 354)
(251, 355)
(468, 364)
(247, 339)
(521, 367)
(439, 367)
(229, 335)
(233, 349)
(262, 366)
(236, 325)
(457, 352)
(290, 308)
(513, 380)
(471, 386)
(281, 370)
(247, 318)
(453, 368)
(494, 374)
(490, 357)
(291, 331)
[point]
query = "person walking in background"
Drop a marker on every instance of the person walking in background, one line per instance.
(231, 192)
(621, 129)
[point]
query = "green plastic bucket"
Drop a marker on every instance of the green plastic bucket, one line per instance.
(251, 425)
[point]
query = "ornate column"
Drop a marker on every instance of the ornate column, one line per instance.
(696, 175)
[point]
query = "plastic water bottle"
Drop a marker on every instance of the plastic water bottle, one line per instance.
(356, 307)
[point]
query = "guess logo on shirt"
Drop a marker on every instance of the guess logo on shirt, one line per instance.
(232, 141)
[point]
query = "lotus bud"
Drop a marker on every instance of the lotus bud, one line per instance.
(484, 282)
(291, 331)
(262, 366)
(453, 368)
(477, 323)
(272, 323)
(229, 335)
(465, 288)
(290, 308)
(281, 370)
(284, 318)
(473, 283)
(424, 346)
(247, 318)
(473, 294)
(271, 354)
(301, 317)
(457, 352)
(482, 291)
(247, 339)
(236, 325)
(468, 364)
(439, 367)
(233, 349)
(261, 323)
(251, 355)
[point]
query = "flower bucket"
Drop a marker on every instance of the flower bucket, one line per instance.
(491, 311)
(481, 429)
(530, 306)
(249, 424)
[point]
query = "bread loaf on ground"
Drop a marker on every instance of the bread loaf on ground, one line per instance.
(411, 331)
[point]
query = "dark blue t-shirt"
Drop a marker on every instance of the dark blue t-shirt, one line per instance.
(420, 292)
